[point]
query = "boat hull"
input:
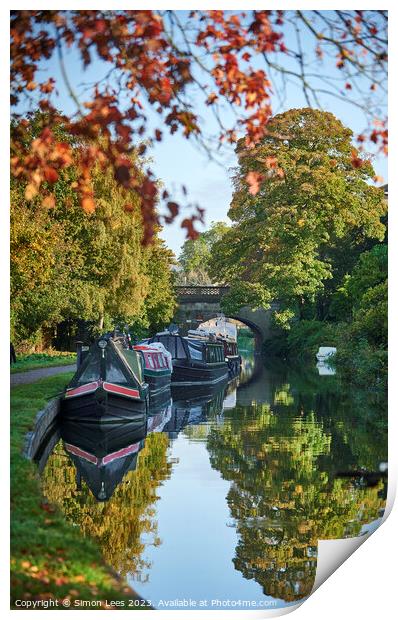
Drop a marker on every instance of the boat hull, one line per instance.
(103, 407)
(102, 439)
(234, 364)
(158, 383)
(187, 374)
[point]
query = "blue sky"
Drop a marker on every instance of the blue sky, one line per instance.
(178, 161)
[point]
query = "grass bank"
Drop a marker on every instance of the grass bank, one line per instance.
(49, 557)
(42, 360)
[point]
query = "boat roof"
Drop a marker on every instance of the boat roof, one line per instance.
(120, 364)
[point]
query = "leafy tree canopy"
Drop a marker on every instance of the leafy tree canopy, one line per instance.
(195, 257)
(308, 197)
(69, 264)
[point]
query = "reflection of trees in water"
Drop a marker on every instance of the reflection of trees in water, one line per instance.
(282, 458)
(118, 524)
(246, 345)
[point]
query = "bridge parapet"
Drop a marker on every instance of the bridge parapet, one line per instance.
(200, 293)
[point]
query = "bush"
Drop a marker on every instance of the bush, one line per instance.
(360, 363)
(302, 341)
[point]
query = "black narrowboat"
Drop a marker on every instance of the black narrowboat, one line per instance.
(232, 356)
(231, 353)
(102, 454)
(108, 384)
(195, 361)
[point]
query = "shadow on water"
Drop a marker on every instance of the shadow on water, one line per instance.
(286, 442)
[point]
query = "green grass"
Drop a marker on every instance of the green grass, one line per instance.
(42, 360)
(50, 559)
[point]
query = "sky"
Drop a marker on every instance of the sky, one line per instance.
(178, 161)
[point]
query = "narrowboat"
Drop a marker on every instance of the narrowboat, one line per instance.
(195, 361)
(232, 356)
(108, 384)
(157, 367)
(102, 454)
(225, 333)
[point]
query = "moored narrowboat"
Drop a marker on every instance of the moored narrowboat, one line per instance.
(195, 361)
(225, 332)
(157, 368)
(232, 356)
(109, 384)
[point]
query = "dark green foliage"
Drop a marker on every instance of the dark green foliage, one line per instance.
(302, 340)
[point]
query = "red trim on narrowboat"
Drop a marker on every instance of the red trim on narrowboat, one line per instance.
(134, 447)
(120, 453)
(119, 389)
(82, 453)
(82, 389)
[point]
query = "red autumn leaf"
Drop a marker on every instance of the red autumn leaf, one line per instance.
(48, 86)
(50, 174)
(356, 161)
(254, 179)
(173, 208)
(190, 228)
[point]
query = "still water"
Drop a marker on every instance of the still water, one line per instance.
(222, 503)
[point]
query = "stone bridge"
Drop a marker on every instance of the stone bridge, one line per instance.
(201, 303)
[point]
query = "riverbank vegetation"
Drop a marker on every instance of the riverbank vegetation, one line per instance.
(50, 559)
(309, 232)
(71, 265)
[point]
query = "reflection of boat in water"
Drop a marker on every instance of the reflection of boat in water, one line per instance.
(230, 395)
(103, 454)
(194, 408)
(108, 384)
(158, 418)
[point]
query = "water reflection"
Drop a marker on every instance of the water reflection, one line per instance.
(249, 478)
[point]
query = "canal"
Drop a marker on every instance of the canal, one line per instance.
(228, 493)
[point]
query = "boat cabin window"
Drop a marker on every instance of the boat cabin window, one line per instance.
(214, 353)
(196, 349)
(133, 360)
(174, 344)
(91, 372)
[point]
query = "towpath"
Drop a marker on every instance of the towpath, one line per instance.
(30, 376)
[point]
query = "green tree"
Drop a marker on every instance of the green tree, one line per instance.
(67, 264)
(295, 199)
(370, 270)
(195, 257)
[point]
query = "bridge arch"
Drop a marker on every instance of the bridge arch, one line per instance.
(201, 303)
